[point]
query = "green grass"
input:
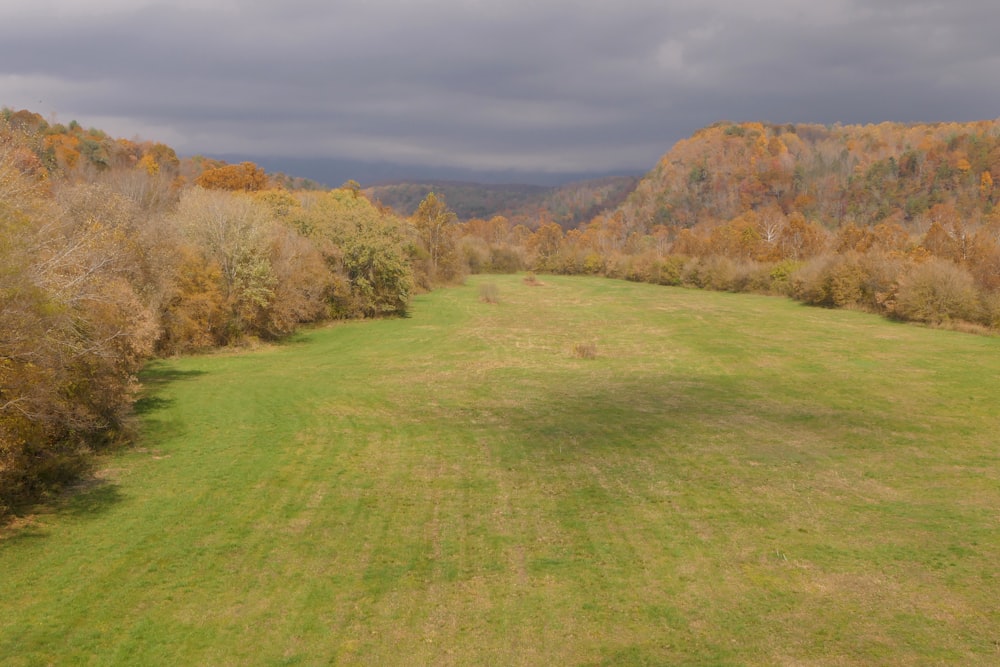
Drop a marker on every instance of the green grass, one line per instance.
(731, 480)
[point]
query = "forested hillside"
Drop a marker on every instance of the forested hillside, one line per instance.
(568, 205)
(905, 174)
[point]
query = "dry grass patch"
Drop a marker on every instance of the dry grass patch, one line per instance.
(489, 293)
(532, 280)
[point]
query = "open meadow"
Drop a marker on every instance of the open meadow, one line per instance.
(729, 480)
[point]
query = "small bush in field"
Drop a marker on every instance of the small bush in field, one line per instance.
(489, 293)
(585, 350)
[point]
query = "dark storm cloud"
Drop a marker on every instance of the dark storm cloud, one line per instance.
(534, 85)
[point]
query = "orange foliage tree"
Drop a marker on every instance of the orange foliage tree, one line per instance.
(245, 177)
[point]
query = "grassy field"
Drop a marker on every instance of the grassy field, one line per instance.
(733, 480)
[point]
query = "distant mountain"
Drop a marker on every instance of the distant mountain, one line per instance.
(467, 200)
(569, 205)
(333, 172)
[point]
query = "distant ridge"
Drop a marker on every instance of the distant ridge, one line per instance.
(569, 205)
(333, 172)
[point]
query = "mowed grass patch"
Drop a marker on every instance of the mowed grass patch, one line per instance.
(730, 480)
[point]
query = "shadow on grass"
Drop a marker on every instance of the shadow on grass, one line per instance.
(617, 414)
(298, 337)
(154, 377)
(621, 415)
(157, 373)
(88, 498)
(148, 404)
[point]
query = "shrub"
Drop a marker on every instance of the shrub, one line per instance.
(618, 265)
(846, 278)
(638, 269)
(650, 267)
(807, 282)
(475, 254)
(593, 263)
(990, 314)
(881, 279)
(937, 291)
(506, 259)
(718, 273)
(566, 261)
(671, 270)
(690, 272)
(830, 280)
(779, 277)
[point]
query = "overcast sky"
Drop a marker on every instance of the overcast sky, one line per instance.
(539, 85)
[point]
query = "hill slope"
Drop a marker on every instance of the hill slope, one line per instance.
(907, 174)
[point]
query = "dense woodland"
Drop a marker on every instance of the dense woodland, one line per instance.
(113, 251)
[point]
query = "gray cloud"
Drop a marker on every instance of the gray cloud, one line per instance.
(534, 85)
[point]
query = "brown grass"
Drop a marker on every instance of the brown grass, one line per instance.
(532, 280)
(489, 293)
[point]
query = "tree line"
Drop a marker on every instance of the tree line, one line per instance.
(882, 269)
(107, 263)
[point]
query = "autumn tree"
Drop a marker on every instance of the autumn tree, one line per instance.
(194, 314)
(378, 269)
(302, 282)
(545, 243)
(435, 227)
(800, 238)
(242, 177)
(76, 328)
(232, 231)
(739, 239)
(242, 270)
(366, 247)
